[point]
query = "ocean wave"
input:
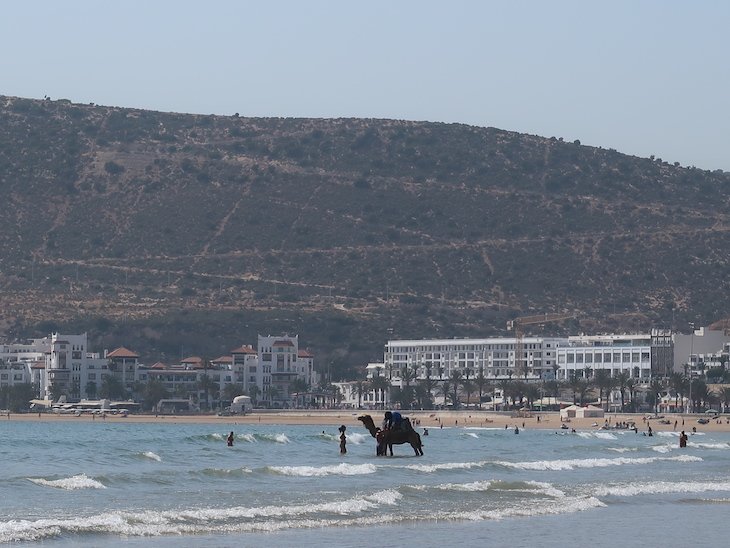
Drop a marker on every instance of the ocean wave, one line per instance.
(571, 464)
(623, 449)
(80, 481)
(358, 511)
(277, 438)
(566, 506)
(226, 472)
(445, 466)
(471, 435)
(151, 455)
(201, 520)
(342, 469)
(358, 438)
(701, 445)
(658, 487)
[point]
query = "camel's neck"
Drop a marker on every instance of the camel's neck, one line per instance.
(370, 425)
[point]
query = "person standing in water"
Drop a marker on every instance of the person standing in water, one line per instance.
(229, 439)
(343, 440)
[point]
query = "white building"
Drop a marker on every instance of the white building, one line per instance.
(281, 365)
(583, 355)
(496, 358)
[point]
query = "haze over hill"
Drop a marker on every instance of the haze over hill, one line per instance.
(185, 234)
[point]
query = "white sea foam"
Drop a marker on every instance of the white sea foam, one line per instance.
(566, 506)
(198, 520)
(153, 456)
(701, 445)
(471, 435)
(278, 438)
(571, 464)
(658, 487)
(341, 469)
(472, 486)
(267, 518)
(247, 437)
(599, 435)
(80, 481)
(547, 488)
(357, 438)
(217, 436)
(623, 449)
(388, 496)
(445, 466)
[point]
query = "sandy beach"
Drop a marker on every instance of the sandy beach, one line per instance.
(420, 419)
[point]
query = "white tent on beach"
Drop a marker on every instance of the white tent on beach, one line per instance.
(580, 412)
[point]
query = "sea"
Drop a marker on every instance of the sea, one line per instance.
(115, 483)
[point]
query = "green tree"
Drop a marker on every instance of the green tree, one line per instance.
(656, 387)
(381, 387)
(468, 388)
(112, 389)
(604, 382)
(205, 385)
(481, 382)
(153, 392)
(622, 380)
(91, 390)
(254, 391)
(456, 383)
(231, 390)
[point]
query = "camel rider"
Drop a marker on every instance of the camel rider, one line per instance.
(392, 420)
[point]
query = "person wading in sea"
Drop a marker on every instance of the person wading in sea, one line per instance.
(343, 439)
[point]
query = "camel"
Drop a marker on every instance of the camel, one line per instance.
(389, 438)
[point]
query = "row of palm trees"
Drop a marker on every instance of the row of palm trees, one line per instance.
(458, 389)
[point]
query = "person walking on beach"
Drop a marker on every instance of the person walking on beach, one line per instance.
(229, 439)
(343, 440)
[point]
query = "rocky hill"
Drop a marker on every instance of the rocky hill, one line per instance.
(188, 234)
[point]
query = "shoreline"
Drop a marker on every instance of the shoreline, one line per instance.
(420, 419)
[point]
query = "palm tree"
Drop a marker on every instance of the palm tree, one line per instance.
(446, 390)
(381, 384)
(506, 387)
(604, 382)
(532, 392)
(655, 389)
(359, 390)
(468, 387)
(481, 381)
(621, 380)
(575, 385)
(631, 387)
(204, 385)
(254, 391)
(725, 398)
(700, 394)
(456, 382)
(677, 383)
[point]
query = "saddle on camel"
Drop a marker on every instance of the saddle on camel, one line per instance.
(395, 432)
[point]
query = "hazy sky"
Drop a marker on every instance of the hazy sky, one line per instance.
(643, 77)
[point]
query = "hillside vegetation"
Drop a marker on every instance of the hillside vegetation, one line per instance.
(187, 234)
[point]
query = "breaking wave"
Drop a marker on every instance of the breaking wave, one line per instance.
(571, 464)
(80, 481)
(315, 471)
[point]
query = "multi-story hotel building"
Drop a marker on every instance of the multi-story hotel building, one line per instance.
(495, 357)
(583, 355)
